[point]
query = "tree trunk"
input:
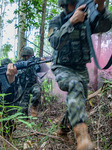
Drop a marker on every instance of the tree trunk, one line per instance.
(21, 32)
(1, 25)
(1, 36)
(42, 27)
(95, 81)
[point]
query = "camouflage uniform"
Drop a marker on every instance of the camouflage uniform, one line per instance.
(10, 88)
(70, 56)
(27, 83)
(9, 125)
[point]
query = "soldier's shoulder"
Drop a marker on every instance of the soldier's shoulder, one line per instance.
(55, 19)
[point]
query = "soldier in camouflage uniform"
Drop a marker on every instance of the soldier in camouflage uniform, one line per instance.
(10, 74)
(70, 56)
(28, 83)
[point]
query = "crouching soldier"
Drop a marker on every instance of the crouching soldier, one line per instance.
(28, 84)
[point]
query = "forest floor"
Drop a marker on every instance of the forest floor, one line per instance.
(42, 134)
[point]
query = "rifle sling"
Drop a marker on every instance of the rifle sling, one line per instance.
(92, 49)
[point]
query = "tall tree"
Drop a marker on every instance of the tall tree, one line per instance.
(2, 12)
(42, 27)
(35, 11)
(95, 80)
(21, 29)
(32, 16)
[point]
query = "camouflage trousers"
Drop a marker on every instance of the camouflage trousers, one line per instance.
(75, 83)
(35, 91)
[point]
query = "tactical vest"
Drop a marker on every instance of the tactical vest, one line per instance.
(75, 50)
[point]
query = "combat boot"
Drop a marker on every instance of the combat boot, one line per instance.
(82, 137)
(63, 135)
(34, 111)
(64, 128)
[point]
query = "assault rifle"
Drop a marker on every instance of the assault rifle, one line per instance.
(94, 16)
(93, 12)
(19, 65)
(91, 9)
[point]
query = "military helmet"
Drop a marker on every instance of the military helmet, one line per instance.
(27, 51)
(5, 61)
(65, 2)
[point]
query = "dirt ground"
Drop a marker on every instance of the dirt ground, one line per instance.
(42, 135)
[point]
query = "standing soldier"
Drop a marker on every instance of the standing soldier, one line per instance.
(28, 83)
(70, 56)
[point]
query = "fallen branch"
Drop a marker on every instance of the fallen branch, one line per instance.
(42, 134)
(94, 94)
(38, 133)
(93, 111)
(8, 143)
(43, 113)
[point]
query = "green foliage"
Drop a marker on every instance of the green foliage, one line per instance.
(38, 127)
(110, 6)
(33, 11)
(109, 114)
(49, 131)
(6, 48)
(10, 21)
(53, 10)
(33, 16)
(46, 91)
(107, 85)
(105, 144)
(11, 113)
(1, 59)
(12, 1)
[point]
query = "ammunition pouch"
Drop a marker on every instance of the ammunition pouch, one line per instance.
(75, 51)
